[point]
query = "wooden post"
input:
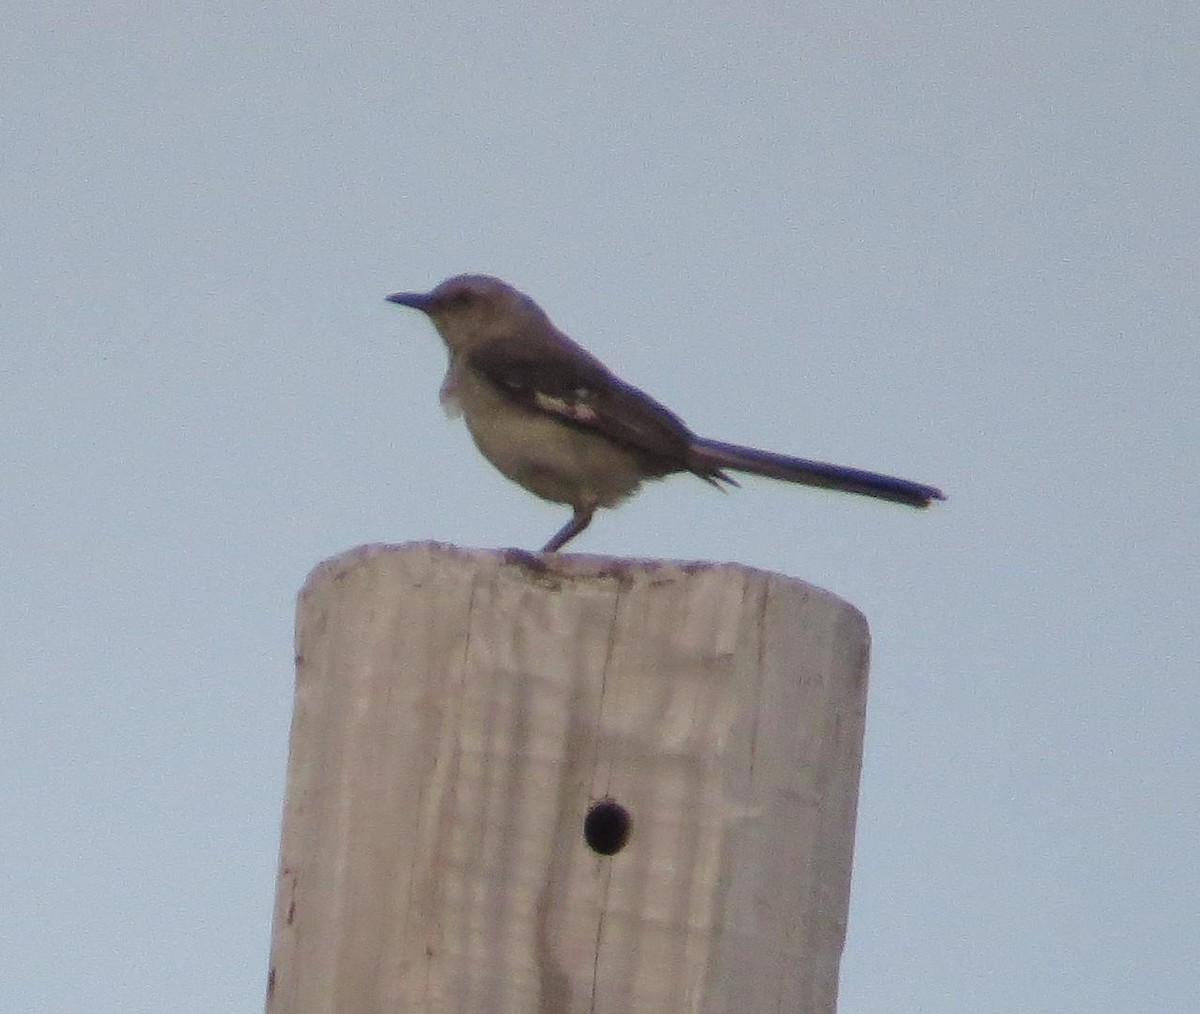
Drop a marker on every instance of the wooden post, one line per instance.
(559, 784)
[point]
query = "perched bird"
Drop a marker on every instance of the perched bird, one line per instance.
(554, 419)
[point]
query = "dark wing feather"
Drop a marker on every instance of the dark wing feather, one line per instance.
(568, 383)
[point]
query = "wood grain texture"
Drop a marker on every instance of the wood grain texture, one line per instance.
(456, 715)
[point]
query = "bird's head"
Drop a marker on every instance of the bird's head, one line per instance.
(467, 309)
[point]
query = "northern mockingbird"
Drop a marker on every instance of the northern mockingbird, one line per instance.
(553, 418)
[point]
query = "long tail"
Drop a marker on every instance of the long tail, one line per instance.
(711, 456)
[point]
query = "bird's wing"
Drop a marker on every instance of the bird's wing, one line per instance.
(566, 382)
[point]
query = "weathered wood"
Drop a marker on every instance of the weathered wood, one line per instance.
(457, 713)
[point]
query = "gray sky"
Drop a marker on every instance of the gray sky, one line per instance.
(958, 245)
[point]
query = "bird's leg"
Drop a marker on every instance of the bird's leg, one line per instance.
(579, 521)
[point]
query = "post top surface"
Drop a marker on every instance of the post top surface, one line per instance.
(557, 568)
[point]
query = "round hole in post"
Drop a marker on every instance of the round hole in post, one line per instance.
(606, 827)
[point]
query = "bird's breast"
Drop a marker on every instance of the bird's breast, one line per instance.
(551, 458)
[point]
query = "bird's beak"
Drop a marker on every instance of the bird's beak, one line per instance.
(422, 301)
